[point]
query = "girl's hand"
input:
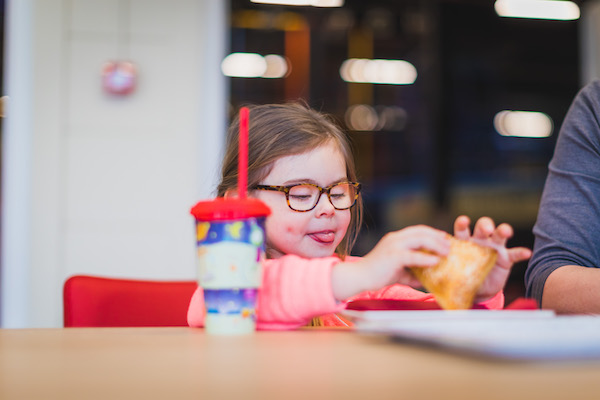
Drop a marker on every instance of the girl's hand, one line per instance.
(487, 234)
(386, 263)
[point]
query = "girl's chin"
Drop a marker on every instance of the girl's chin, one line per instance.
(307, 253)
(319, 251)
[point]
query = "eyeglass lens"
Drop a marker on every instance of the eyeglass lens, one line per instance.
(305, 197)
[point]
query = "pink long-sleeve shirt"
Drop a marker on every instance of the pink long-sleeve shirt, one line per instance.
(295, 290)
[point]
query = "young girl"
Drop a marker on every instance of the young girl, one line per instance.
(300, 164)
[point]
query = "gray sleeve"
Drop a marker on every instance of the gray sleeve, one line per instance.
(567, 230)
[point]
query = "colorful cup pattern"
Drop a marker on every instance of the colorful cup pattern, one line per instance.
(231, 302)
(230, 272)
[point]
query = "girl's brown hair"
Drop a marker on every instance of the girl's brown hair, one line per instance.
(279, 130)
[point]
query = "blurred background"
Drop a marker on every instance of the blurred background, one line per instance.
(117, 110)
(427, 150)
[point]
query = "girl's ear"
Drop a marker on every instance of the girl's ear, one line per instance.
(230, 193)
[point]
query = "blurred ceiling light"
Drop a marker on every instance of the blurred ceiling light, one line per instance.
(530, 124)
(391, 72)
(277, 66)
(361, 117)
(391, 118)
(314, 3)
(538, 9)
(244, 65)
(252, 65)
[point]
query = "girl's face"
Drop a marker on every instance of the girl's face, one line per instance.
(311, 234)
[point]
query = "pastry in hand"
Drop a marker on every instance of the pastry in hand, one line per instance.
(455, 280)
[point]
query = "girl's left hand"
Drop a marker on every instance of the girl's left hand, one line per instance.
(487, 234)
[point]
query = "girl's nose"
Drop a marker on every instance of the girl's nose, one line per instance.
(324, 206)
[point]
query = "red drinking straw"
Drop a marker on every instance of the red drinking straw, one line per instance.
(243, 155)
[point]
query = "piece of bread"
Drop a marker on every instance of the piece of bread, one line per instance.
(454, 281)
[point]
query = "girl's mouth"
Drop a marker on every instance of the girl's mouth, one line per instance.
(323, 237)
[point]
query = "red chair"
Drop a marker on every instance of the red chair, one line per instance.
(108, 302)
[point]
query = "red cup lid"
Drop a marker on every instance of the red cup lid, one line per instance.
(230, 208)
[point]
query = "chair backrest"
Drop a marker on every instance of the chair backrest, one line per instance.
(109, 302)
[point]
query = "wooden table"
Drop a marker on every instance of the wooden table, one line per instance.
(180, 363)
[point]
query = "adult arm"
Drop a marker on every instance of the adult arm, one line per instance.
(562, 273)
(573, 289)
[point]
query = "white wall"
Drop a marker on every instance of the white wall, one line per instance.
(99, 184)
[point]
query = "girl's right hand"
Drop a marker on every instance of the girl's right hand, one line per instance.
(387, 263)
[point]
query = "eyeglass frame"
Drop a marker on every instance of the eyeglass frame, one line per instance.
(286, 189)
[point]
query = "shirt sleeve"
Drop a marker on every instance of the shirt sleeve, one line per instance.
(195, 314)
(293, 291)
(566, 230)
